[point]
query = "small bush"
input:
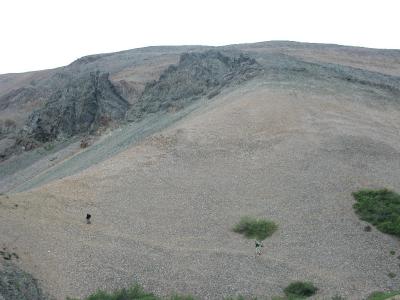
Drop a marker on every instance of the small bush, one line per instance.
(337, 297)
(255, 228)
(392, 252)
(392, 275)
(240, 297)
(136, 292)
(180, 297)
(300, 289)
(380, 208)
(49, 147)
(382, 295)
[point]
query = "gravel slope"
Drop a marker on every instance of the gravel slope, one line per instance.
(163, 209)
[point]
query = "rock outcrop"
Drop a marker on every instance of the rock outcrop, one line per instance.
(196, 74)
(82, 106)
(75, 100)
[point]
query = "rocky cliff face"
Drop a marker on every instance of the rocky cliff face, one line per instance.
(82, 106)
(89, 101)
(77, 100)
(196, 74)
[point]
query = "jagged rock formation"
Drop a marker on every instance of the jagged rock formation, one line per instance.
(82, 102)
(197, 74)
(82, 106)
(91, 101)
(81, 97)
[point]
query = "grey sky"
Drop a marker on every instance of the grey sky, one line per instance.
(50, 33)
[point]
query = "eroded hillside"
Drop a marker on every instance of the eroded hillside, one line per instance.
(260, 130)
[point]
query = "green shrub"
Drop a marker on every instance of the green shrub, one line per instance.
(136, 292)
(180, 297)
(382, 295)
(380, 208)
(49, 147)
(240, 297)
(300, 289)
(255, 228)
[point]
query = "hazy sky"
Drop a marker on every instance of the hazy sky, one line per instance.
(39, 34)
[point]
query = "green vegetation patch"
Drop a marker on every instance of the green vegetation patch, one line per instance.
(300, 289)
(382, 295)
(181, 297)
(337, 297)
(240, 297)
(380, 208)
(135, 292)
(49, 146)
(255, 228)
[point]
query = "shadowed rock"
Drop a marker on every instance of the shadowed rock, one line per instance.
(82, 106)
(196, 75)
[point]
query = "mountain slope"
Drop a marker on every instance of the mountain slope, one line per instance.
(290, 144)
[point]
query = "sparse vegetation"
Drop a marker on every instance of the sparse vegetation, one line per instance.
(240, 297)
(392, 252)
(49, 146)
(300, 289)
(136, 292)
(380, 208)
(392, 275)
(382, 295)
(255, 228)
(181, 297)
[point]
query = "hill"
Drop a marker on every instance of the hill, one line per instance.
(196, 138)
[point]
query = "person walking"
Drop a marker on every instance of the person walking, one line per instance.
(88, 217)
(259, 245)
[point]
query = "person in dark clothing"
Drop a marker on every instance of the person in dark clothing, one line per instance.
(259, 245)
(88, 217)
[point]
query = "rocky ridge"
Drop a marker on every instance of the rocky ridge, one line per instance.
(196, 75)
(82, 103)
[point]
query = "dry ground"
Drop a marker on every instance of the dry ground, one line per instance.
(163, 210)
